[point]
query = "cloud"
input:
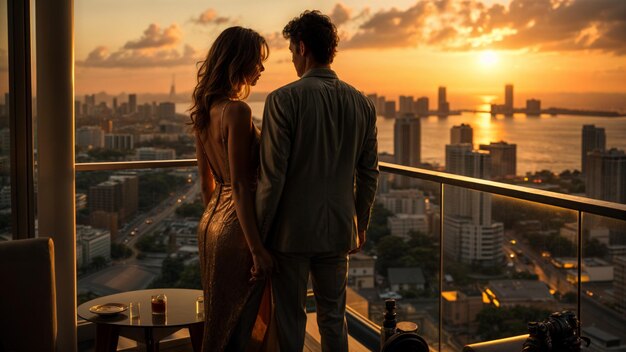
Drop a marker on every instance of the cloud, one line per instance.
(539, 25)
(340, 14)
(154, 37)
(155, 48)
(101, 57)
(209, 17)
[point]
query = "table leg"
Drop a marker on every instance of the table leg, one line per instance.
(106, 337)
(151, 345)
(195, 335)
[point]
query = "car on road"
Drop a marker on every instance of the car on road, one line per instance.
(148, 221)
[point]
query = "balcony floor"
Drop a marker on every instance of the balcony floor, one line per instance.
(179, 341)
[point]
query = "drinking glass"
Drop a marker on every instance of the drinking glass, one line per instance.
(135, 310)
(159, 304)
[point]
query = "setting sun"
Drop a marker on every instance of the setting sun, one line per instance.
(488, 58)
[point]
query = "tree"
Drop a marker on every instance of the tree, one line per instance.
(378, 226)
(98, 262)
(154, 187)
(190, 210)
(391, 252)
(120, 251)
(495, 323)
(151, 243)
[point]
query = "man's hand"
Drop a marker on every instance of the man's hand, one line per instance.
(360, 242)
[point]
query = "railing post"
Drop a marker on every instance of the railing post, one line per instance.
(441, 190)
(579, 254)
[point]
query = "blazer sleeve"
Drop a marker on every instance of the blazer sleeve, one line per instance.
(275, 151)
(367, 173)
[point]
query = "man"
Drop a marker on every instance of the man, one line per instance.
(319, 171)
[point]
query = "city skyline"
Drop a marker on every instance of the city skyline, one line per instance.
(430, 43)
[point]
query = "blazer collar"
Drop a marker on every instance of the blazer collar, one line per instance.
(320, 72)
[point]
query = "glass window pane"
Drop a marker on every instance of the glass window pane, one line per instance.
(403, 239)
(603, 291)
(138, 226)
(508, 261)
(5, 135)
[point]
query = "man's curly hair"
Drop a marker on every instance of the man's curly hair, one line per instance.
(317, 33)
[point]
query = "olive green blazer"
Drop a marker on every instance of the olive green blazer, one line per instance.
(319, 165)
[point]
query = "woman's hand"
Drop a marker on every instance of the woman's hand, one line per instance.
(263, 264)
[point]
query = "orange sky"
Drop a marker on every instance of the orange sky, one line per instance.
(399, 47)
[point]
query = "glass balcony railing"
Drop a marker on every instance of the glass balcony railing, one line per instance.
(473, 260)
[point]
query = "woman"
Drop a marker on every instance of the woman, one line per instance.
(233, 260)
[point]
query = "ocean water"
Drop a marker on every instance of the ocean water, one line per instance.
(543, 142)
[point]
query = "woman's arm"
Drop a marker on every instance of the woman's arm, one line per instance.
(239, 128)
(207, 184)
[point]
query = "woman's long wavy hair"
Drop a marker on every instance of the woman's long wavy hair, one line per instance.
(226, 71)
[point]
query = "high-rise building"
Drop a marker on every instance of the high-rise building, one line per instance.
(403, 201)
(167, 110)
(606, 175)
(508, 99)
(106, 196)
(407, 144)
(470, 235)
(120, 141)
(443, 107)
(90, 137)
(421, 106)
(115, 108)
(533, 107)
(132, 103)
(462, 133)
(130, 193)
(92, 243)
(380, 106)
(401, 225)
(619, 282)
(390, 109)
(117, 195)
(503, 159)
(593, 138)
(5, 141)
(150, 153)
(406, 105)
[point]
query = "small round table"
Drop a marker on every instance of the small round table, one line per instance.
(147, 328)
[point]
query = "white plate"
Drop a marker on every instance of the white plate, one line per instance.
(108, 308)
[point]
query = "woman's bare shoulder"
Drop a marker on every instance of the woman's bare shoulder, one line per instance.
(237, 108)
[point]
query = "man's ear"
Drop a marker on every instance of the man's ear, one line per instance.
(301, 48)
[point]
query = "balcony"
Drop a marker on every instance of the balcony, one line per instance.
(438, 308)
(461, 274)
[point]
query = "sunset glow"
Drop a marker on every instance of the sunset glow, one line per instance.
(392, 48)
(488, 59)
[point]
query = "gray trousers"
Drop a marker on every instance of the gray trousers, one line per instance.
(329, 273)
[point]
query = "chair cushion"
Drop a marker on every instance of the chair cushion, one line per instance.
(509, 344)
(28, 303)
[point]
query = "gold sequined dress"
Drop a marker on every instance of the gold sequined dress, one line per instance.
(235, 309)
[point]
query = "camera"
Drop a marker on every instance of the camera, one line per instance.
(558, 333)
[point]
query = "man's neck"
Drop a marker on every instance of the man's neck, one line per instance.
(311, 64)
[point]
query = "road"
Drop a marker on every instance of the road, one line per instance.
(593, 312)
(130, 273)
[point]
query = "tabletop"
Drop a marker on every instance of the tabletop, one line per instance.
(181, 308)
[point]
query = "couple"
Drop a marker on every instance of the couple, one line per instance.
(283, 204)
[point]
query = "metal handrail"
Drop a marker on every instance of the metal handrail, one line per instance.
(587, 205)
